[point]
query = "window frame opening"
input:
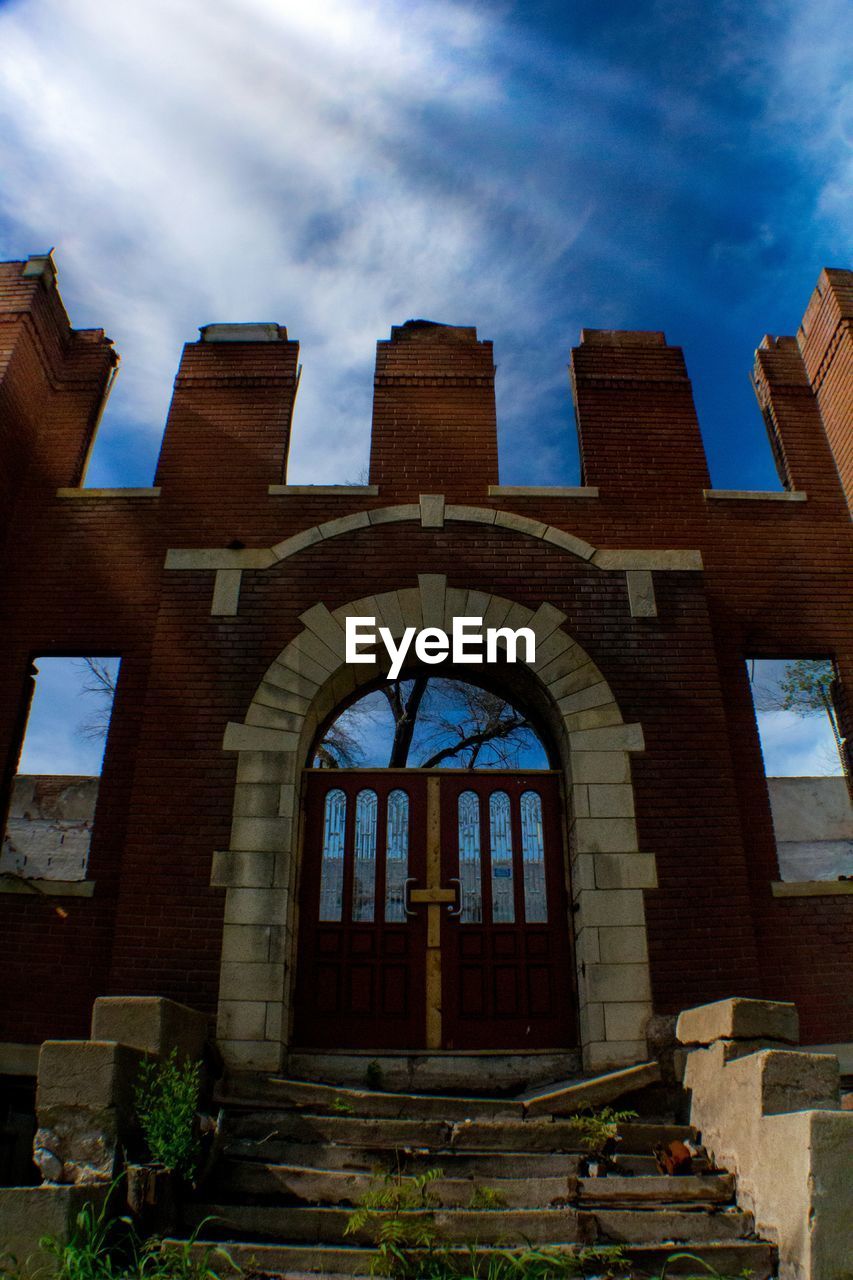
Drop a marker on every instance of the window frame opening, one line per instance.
(49, 814)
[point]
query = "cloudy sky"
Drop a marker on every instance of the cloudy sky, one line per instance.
(340, 166)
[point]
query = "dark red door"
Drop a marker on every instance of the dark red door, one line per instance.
(360, 978)
(433, 912)
(505, 951)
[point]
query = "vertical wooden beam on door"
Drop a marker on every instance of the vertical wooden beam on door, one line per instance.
(433, 882)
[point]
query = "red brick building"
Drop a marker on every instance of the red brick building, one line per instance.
(225, 592)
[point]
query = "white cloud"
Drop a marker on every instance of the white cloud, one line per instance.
(343, 165)
(198, 162)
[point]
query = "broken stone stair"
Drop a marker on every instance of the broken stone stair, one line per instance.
(297, 1157)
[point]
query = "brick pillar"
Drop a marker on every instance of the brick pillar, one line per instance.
(228, 431)
(637, 425)
(434, 425)
(800, 446)
(53, 381)
(826, 342)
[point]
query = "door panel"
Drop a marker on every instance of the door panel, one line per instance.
(360, 980)
(500, 961)
(507, 966)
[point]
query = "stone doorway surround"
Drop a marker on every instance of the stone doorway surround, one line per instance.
(309, 678)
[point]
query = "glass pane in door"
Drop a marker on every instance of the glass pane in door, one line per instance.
(469, 859)
(533, 859)
(503, 900)
(332, 857)
(396, 856)
(364, 864)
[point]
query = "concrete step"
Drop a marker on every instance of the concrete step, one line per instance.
(289, 1184)
(656, 1190)
(302, 1225)
(679, 1225)
(562, 1098)
(294, 1183)
(486, 1072)
(568, 1096)
(462, 1164)
(729, 1258)
(468, 1134)
(324, 1099)
(492, 1227)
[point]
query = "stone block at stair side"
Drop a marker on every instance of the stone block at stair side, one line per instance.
(791, 1081)
(28, 1213)
(93, 1075)
(738, 1019)
(151, 1024)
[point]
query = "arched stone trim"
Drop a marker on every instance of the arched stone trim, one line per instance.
(432, 512)
(608, 872)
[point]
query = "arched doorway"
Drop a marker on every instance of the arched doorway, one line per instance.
(433, 900)
(302, 686)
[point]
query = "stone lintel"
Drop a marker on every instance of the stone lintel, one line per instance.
(325, 490)
(542, 491)
(810, 888)
(81, 492)
(11, 882)
(756, 495)
(218, 558)
(634, 559)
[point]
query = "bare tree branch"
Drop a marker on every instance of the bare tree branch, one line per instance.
(448, 719)
(100, 680)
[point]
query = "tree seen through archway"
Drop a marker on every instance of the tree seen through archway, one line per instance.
(428, 723)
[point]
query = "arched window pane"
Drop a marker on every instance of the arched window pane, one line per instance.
(469, 859)
(396, 856)
(503, 903)
(364, 864)
(533, 859)
(332, 864)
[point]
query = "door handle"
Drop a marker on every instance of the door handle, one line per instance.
(456, 911)
(406, 883)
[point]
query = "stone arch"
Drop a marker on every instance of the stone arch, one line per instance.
(608, 871)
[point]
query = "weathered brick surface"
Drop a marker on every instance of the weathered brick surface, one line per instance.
(86, 575)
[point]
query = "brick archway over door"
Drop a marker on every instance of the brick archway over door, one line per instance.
(608, 872)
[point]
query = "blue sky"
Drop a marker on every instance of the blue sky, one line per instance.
(344, 165)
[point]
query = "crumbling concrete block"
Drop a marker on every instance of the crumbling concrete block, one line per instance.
(737, 1019)
(772, 1117)
(84, 1105)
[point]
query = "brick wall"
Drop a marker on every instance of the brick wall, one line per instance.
(85, 574)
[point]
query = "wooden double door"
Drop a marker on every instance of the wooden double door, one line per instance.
(433, 912)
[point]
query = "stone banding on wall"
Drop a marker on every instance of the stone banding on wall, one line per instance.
(432, 512)
(301, 688)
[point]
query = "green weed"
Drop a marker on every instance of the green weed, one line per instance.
(486, 1198)
(596, 1127)
(166, 1097)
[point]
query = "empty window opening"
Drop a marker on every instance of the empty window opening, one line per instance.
(55, 789)
(430, 723)
(802, 743)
